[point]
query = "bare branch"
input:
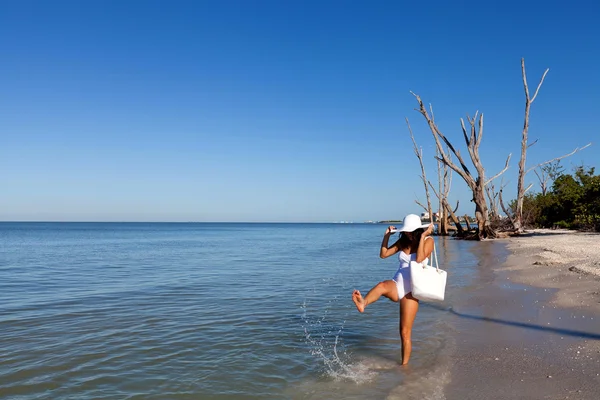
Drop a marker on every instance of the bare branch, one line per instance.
(528, 187)
(453, 217)
(530, 100)
(543, 178)
(480, 133)
(448, 174)
(437, 134)
(524, 76)
(501, 172)
(419, 154)
(558, 158)
(508, 214)
(539, 84)
(491, 194)
(464, 130)
(417, 201)
(531, 144)
(434, 191)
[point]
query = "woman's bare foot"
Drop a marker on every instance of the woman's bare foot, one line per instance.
(358, 301)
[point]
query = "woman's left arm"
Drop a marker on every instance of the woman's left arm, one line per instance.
(425, 246)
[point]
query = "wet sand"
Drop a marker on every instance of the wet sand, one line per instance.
(530, 327)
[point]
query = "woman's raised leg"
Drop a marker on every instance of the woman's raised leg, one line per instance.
(385, 288)
(408, 311)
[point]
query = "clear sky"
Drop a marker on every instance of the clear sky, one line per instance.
(276, 110)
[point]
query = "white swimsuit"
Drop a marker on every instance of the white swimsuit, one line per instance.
(402, 276)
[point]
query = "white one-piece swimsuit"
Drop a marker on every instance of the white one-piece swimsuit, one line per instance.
(402, 275)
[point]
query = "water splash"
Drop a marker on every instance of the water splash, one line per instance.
(325, 342)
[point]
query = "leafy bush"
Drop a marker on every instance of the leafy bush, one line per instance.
(573, 202)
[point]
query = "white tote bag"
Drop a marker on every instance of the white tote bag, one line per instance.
(428, 283)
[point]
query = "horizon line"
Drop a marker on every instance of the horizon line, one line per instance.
(189, 222)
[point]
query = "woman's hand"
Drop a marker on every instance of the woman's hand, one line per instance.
(428, 231)
(387, 250)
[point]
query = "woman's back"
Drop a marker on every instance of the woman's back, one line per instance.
(405, 259)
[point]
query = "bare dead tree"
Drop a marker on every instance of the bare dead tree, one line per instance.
(507, 212)
(444, 183)
(419, 153)
(448, 211)
(521, 189)
(493, 201)
(524, 146)
(548, 173)
(543, 177)
(476, 184)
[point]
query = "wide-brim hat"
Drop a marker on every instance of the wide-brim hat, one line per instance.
(411, 223)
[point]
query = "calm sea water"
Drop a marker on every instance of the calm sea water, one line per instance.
(203, 311)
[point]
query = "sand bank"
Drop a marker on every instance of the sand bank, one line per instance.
(530, 327)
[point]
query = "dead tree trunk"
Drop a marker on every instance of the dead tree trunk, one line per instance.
(518, 219)
(444, 181)
(521, 189)
(459, 228)
(477, 185)
(467, 223)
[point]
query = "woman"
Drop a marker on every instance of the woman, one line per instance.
(411, 246)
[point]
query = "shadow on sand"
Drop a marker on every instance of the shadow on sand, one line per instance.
(560, 331)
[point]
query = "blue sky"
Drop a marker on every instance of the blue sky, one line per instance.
(276, 110)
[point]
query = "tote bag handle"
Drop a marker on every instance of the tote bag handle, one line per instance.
(437, 265)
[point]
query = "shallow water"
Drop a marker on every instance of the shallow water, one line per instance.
(155, 311)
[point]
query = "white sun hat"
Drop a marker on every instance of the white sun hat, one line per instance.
(410, 223)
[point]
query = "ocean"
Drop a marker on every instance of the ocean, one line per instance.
(214, 311)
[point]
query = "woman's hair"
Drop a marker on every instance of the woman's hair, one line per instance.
(408, 239)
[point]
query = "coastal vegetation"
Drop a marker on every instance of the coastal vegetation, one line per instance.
(571, 200)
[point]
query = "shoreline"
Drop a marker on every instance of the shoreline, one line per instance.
(530, 328)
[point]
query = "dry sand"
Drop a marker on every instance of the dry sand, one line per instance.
(530, 328)
(566, 260)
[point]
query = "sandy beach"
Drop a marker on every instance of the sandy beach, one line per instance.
(530, 329)
(561, 259)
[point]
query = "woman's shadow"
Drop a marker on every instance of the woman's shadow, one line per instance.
(560, 331)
